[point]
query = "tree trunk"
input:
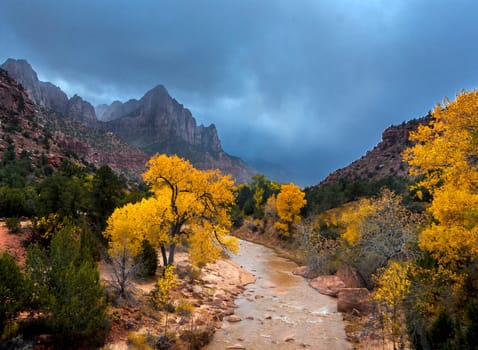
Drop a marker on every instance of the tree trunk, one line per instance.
(123, 275)
(172, 247)
(164, 254)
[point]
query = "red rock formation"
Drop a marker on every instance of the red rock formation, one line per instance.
(328, 285)
(384, 159)
(354, 299)
(157, 123)
(350, 276)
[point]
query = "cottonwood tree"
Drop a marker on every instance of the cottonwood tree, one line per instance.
(198, 207)
(127, 229)
(445, 157)
(289, 202)
(393, 285)
(189, 205)
(125, 244)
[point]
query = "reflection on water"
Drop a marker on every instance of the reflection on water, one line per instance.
(280, 310)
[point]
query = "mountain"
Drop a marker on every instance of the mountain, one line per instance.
(47, 95)
(116, 110)
(385, 159)
(155, 123)
(159, 123)
(46, 137)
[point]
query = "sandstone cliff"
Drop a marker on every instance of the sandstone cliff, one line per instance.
(157, 117)
(81, 110)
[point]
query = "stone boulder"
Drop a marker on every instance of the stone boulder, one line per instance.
(354, 300)
(328, 285)
(303, 271)
(351, 277)
(233, 318)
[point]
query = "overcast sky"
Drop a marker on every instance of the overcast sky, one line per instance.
(297, 88)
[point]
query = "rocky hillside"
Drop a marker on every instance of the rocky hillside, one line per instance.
(385, 159)
(155, 123)
(46, 137)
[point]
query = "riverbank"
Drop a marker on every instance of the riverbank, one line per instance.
(201, 302)
(251, 232)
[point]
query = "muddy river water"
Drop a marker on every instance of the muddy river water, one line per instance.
(279, 310)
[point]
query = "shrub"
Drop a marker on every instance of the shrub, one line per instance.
(13, 224)
(198, 338)
(147, 261)
(138, 341)
(166, 283)
(184, 308)
(13, 202)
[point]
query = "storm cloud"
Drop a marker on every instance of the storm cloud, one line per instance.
(297, 88)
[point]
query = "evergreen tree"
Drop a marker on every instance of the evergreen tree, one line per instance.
(11, 290)
(68, 290)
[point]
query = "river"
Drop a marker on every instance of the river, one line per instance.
(279, 310)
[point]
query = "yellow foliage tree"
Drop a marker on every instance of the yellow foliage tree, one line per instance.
(188, 205)
(446, 156)
(197, 207)
(393, 286)
(289, 202)
(125, 243)
(354, 219)
(122, 231)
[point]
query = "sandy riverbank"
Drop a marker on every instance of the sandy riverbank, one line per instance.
(211, 295)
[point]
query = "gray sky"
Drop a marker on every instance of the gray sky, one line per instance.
(298, 88)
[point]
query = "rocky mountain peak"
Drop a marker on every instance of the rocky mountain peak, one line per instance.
(159, 91)
(21, 70)
(42, 93)
(46, 94)
(156, 119)
(81, 110)
(157, 123)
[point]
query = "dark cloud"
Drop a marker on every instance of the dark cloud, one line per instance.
(304, 86)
